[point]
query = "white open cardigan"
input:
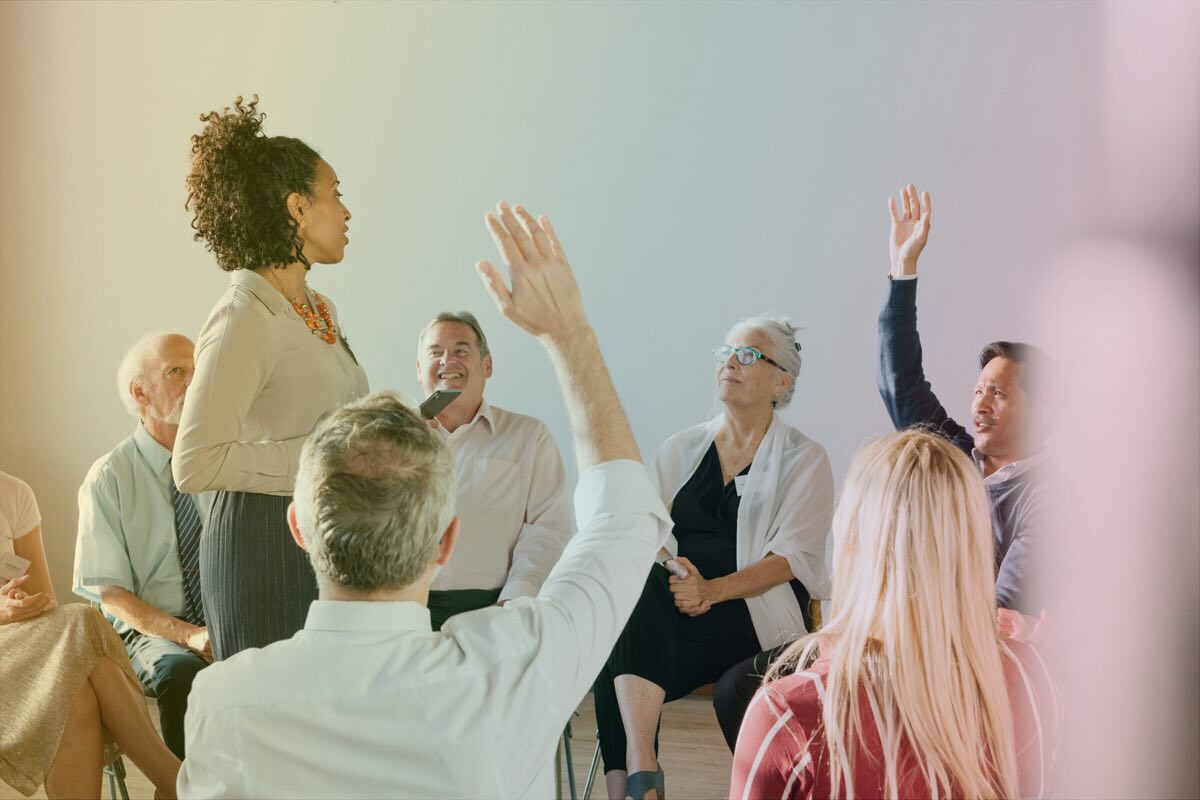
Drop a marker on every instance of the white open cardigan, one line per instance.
(786, 509)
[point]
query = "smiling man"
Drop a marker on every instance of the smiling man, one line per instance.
(514, 512)
(1009, 414)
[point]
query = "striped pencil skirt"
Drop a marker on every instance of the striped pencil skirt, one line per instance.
(256, 582)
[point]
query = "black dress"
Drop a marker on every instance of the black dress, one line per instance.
(662, 645)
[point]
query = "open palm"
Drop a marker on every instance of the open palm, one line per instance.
(910, 229)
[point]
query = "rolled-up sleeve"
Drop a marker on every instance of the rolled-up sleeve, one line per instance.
(805, 518)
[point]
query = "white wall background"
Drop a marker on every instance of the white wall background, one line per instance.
(701, 162)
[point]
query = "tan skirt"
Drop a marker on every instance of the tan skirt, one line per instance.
(43, 662)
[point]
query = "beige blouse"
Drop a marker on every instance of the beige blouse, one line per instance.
(262, 381)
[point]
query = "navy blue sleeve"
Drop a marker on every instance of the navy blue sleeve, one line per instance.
(907, 395)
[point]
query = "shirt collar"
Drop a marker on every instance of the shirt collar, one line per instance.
(485, 412)
(1008, 471)
(157, 456)
(367, 615)
(261, 288)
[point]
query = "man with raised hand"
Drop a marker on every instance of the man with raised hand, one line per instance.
(367, 701)
(1010, 414)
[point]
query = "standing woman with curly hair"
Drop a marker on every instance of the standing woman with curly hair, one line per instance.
(270, 361)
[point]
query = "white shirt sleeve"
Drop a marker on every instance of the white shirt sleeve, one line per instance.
(584, 604)
(18, 506)
(805, 516)
(547, 525)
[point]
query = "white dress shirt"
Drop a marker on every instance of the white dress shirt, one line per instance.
(513, 509)
(366, 701)
(786, 510)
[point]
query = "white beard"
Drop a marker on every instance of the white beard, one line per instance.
(173, 417)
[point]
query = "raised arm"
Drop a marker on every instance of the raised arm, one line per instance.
(590, 593)
(906, 393)
(544, 301)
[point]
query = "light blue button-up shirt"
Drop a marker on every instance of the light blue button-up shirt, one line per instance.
(126, 531)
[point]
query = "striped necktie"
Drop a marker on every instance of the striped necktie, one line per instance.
(187, 531)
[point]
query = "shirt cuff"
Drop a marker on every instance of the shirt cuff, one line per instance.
(912, 277)
(616, 487)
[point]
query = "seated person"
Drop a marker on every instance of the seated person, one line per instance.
(913, 693)
(138, 547)
(1010, 414)
(751, 499)
(514, 517)
(1010, 419)
(367, 700)
(68, 690)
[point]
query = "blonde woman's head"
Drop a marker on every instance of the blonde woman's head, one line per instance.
(913, 549)
(912, 622)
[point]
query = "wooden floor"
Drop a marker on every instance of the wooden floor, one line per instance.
(693, 755)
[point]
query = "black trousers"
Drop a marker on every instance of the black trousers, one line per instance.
(166, 670)
(672, 650)
(735, 689)
(256, 581)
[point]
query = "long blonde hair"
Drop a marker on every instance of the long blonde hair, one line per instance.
(912, 624)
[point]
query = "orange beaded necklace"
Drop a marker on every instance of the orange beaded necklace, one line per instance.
(319, 321)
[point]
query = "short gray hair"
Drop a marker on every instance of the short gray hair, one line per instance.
(784, 347)
(133, 369)
(374, 493)
(462, 318)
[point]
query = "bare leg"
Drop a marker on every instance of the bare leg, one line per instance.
(641, 705)
(123, 712)
(75, 771)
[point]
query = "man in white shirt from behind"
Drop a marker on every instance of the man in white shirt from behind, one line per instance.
(513, 512)
(367, 701)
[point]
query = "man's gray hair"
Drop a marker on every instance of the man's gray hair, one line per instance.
(132, 369)
(784, 349)
(374, 493)
(462, 318)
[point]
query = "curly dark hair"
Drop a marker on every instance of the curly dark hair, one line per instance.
(238, 186)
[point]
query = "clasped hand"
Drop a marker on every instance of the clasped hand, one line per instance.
(693, 595)
(16, 604)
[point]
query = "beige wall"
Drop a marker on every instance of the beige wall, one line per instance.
(702, 163)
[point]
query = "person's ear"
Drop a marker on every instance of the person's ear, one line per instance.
(785, 380)
(296, 206)
(294, 527)
(449, 537)
(139, 394)
(487, 366)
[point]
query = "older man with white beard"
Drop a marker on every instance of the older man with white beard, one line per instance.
(138, 545)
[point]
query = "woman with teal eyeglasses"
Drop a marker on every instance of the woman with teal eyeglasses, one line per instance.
(752, 499)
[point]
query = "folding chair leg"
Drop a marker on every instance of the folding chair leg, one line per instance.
(116, 780)
(591, 778)
(566, 743)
